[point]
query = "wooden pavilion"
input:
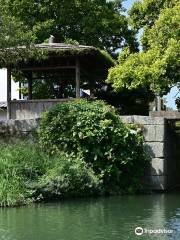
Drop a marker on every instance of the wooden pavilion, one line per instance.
(73, 66)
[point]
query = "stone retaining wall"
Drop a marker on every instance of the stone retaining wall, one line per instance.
(166, 114)
(13, 129)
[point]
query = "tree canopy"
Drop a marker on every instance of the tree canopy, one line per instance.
(14, 33)
(92, 22)
(157, 65)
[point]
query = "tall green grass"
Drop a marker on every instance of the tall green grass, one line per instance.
(20, 165)
(28, 174)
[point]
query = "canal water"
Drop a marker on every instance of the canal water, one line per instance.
(110, 218)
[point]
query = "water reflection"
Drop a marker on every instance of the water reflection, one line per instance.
(174, 223)
(93, 219)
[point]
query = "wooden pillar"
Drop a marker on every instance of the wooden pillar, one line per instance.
(20, 93)
(8, 93)
(29, 85)
(158, 103)
(77, 78)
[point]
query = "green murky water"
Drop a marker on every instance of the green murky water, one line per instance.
(94, 219)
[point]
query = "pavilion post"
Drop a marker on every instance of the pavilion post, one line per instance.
(159, 103)
(29, 85)
(20, 93)
(8, 93)
(77, 78)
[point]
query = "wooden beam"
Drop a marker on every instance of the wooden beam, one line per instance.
(46, 68)
(8, 93)
(29, 85)
(77, 78)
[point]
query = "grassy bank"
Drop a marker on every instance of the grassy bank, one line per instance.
(27, 175)
(20, 166)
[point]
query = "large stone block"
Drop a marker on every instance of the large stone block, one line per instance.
(144, 120)
(154, 133)
(154, 149)
(166, 114)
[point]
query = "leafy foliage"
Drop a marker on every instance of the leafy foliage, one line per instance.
(157, 65)
(68, 176)
(127, 102)
(20, 165)
(27, 174)
(15, 33)
(89, 151)
(98, 23)
(95, 131)
(146, 12)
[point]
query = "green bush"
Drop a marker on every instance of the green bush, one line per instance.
(94, 130)
(69, 176)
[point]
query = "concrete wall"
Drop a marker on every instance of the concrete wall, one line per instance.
(161, 143)
(3, 114)
(30, 109)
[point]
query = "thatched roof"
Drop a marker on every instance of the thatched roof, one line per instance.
(63, 46)
(89, 56)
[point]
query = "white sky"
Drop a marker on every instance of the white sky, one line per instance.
(171, 96)
(3, 87)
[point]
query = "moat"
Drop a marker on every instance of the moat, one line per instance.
(94, 219)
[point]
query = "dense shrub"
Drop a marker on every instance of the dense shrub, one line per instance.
(94, 130)
(69, 176)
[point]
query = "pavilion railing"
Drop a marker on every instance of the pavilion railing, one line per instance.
(30, 109)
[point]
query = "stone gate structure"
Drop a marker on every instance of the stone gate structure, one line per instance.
(162, 143)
